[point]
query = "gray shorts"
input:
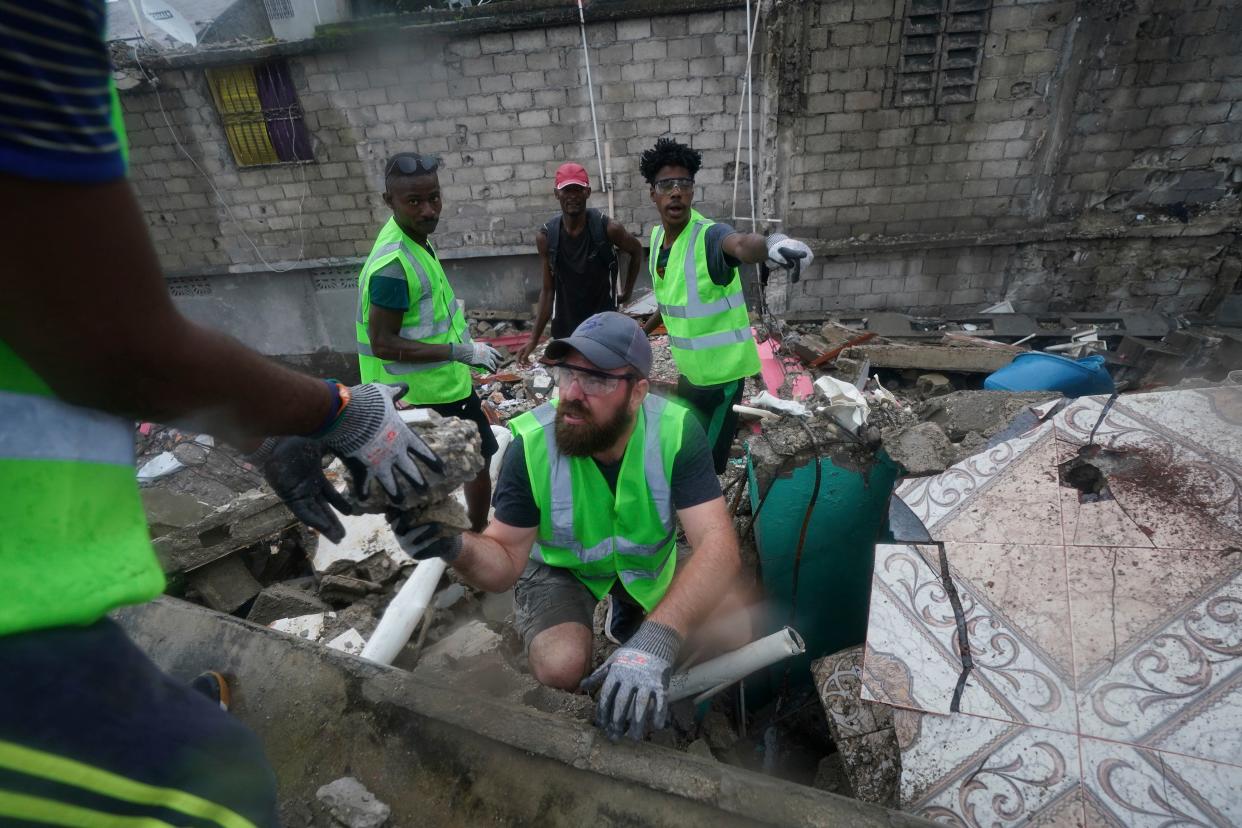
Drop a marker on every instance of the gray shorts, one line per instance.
(546, 596)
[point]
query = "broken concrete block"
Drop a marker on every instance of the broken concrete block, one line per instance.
(966, 359)
(168, 510)
(719, 733)
(352, 805)
(923, 448)
(309, 626)
(225, 584)
(350, 641)
(831, 775)
(342, 589)
(470, 640)
(983, 412)
(934, 385)
(248, 518)
(365, 536)
(283, 601)
(700, 747)
(863, 731)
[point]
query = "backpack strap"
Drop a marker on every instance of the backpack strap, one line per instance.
(552, 227)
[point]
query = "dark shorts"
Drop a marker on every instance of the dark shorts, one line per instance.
(546, 596)
(713, 406)
(471, 409)
(84, 715)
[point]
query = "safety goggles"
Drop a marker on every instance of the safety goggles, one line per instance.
(593, 383)
(411, 162)
(666, 186)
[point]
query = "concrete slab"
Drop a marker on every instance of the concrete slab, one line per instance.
(442, 755)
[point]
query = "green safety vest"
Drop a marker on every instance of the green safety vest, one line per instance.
(433, 317)
(708, 325)
(74, 542)
(586, 528)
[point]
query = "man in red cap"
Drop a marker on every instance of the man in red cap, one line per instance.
(578, 249)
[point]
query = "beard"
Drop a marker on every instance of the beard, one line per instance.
(590, 437)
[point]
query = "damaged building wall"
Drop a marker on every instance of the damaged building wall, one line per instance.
(1095, 168)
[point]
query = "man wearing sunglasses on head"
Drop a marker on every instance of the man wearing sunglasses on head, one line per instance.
(693, 263)
(587, 505)
(410, 326)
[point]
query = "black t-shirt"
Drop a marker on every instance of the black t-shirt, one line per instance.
(582, 278)
(694, 478)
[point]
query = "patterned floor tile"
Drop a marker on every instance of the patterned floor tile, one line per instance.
(964, 770)
(1134, 786)
(1175, 680)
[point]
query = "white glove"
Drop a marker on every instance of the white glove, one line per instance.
(477, 353)
(785, 251)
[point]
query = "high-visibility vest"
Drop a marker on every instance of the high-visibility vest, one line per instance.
(708, 325)
(433, 317)
(73, 535)
(586, 528)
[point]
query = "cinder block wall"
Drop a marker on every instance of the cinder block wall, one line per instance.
(1096, 168)
(501, 109)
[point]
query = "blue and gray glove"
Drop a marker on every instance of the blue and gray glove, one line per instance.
(373, 442)
(789, 253)
(423, 540)
(634, 698)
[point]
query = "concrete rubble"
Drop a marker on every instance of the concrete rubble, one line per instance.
(914, 400)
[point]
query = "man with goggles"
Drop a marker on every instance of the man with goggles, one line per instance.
(693, 263)
(587, 506)
(410, 326)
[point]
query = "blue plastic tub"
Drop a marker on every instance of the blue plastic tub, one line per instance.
(1037, 371)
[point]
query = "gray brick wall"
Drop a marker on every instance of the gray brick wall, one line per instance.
(503, 110)
(1091, 120)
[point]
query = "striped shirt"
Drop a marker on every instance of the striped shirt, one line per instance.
(55, 94)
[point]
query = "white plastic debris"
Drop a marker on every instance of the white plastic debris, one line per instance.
(846, 404)
(766, 399)
(350, 641)
(309, 627)
(365, 535)
(160, 465)
(644, 305)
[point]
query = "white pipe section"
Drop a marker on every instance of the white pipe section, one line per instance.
(404, 612)
(762, 413)
(751, 33)
(723, 671)
(586, 59)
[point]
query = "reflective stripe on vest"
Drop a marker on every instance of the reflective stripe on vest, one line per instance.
(399, 368)
(75, 543)
(45, 428)
(696, 308)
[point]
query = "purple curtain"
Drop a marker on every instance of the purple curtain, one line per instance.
(282, 112)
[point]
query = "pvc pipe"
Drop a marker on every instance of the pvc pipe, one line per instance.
(762, 413)
(723, 671)
(404, 612)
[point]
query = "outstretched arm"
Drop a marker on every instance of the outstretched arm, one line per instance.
(97, 324)
(708, 574)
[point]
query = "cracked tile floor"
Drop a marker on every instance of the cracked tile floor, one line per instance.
(1103, 611)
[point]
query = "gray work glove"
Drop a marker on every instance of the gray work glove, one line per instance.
(634, 698)
(373, 442)
(787, 252)
(293, 466)
(477, 353)
(423, 540)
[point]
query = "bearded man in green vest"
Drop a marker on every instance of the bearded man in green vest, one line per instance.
(587, 506)
(694, 263)
(410, 326)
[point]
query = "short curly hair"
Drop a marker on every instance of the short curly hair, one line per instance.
(669, 153)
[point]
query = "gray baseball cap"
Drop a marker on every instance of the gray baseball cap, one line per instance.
(610, 340)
